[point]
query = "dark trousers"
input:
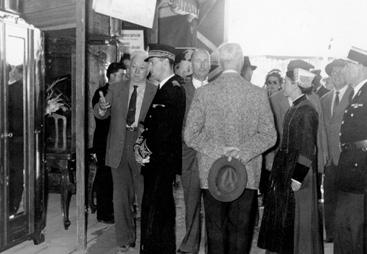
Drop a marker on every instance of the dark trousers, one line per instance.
(330, 200)
(158, 213)
(192, 197)
(127, 184)
(230, 225)
(350, 218)
(104, 189)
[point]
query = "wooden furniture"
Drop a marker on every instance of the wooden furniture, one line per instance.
(61, 179)
(22, 195)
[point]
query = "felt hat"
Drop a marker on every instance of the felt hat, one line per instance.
(358, 55)
(335, 63)
(246, 62)
(227, 179)
(299, 63)
(161, 51)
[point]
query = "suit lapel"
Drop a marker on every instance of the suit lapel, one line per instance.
(329, 100)
(150, 91)
(124, 98)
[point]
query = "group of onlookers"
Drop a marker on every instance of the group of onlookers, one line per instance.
(165, 118)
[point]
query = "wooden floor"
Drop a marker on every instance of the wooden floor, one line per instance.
(101, 238)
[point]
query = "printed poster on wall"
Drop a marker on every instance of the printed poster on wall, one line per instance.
(131, 40)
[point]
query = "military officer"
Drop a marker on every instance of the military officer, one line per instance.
(163, 137)
(351, 178)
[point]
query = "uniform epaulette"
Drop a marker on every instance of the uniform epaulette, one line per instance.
(176, 83)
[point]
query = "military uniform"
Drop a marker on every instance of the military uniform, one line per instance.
(352, 178)
(163, 135)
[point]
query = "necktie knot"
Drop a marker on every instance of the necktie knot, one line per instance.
(336, 101)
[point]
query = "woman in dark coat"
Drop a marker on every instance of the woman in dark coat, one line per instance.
(290, 222)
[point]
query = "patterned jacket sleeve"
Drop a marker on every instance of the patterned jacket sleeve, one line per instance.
(195, 134)
(265, 136)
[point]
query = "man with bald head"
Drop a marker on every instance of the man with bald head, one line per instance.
(127, 103)
(190, 174)
(230, 117)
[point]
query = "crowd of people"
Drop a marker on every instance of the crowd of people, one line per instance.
(160, 115)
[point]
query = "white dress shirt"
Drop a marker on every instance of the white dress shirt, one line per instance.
(341, 94)
(140, 90)
(164, 81)
(198, 83)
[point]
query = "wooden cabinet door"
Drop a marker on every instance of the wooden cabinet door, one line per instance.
(20, 153)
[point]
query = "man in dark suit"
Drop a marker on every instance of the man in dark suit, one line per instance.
(351, 178)
(127, 102)
(190, 173)
(333, 106)
(103, 180)
(163, 136)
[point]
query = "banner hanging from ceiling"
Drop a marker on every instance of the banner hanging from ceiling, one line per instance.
(140, 12)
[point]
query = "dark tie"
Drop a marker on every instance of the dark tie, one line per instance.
(336, 101)
(130, 119)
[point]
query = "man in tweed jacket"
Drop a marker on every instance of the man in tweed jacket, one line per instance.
(231, 117)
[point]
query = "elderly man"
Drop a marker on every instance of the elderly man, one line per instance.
(190, 172)
(127, 103)
(230, 117)
(333, 106)
(163, 137)
(351, 178)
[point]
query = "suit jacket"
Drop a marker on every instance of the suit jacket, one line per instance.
(163, 128)
(333, 122)
(230, 111)
(280, 105)
(118, 96)
(352, 167)
(187, 152)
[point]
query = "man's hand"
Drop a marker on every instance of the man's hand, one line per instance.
(295, 185)
(103, 104)
(231, 152)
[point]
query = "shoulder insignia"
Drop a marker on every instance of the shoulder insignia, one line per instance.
(175, 83)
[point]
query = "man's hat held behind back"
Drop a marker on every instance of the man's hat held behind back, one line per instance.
(358, 55)
(227, 179)
(161, 51)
